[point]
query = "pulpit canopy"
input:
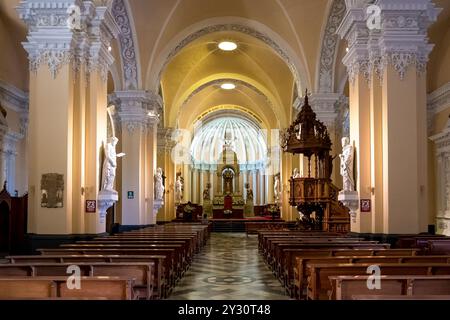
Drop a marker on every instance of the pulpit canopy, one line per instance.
(306, 135)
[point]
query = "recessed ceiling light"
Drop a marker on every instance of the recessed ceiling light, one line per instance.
(227, 46)
(228, 86)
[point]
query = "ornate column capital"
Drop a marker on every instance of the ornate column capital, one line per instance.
(324, 105)
(68, 31)
(400, 41)
(137, 109)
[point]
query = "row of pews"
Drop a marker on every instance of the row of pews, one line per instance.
(143, 264)
(330, 266)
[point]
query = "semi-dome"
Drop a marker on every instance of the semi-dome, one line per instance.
(235, 133)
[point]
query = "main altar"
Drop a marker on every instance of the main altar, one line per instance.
(228, 201)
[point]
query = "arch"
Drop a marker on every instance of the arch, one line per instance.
(235, 24)
(329, 48)
(240, 80)
(128, 45)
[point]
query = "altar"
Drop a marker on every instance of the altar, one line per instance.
(228, 201)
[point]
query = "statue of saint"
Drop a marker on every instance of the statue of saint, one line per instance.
(178, 190)
(159, 185)
(347, 158)
(249, 194)
(276, 188)
(296, 174)
(110, 164)
(206, 192)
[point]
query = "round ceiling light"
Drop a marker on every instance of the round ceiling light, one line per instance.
(228, 86)
(227, 46)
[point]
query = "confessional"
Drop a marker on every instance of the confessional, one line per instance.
(13, 222)
(314, 194)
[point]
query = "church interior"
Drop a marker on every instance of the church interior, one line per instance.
(220, 150)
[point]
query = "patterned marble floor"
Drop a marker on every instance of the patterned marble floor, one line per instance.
(229, 268)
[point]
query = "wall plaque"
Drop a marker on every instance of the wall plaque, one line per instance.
(366, 205)
(131, 195)
(52, 190)
(91, 206)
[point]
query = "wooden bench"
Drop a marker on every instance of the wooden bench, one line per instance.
(143, 273)
(116, 288)
(160, 280)
(318, 274)
(345, 287)
(300, 270)
(170, 261)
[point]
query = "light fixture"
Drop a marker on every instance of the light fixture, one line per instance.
(109, 48)
(228, 86)
(346, 49)
(227, 46)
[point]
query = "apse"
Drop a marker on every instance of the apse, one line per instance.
(238, 134)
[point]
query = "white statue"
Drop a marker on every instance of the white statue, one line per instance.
(276, 188)
(159, 185)
(178, 190)
(110, 164)
(296, 174)
(347, 158)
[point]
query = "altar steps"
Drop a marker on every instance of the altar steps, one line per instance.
(228, 226)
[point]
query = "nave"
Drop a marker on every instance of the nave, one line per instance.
(229, 268)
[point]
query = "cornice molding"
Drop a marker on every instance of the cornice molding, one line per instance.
(13, 98)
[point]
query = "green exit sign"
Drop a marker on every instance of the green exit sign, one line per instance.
(130, 195)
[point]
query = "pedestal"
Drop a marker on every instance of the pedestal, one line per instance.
(351, 200)
(157, 204)
(106, 199)
(207, 208)
(249, 210)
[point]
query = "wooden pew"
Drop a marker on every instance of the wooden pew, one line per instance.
(170, 261)
(318, 274)
(413, 286)
(160, 280)
(143, 273)
(289, 262)
(300, 270)
(23, 288)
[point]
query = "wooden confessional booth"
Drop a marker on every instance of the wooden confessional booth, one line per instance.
(13, 222)
(313, 193)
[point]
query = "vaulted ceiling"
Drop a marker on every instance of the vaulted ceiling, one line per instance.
(279, 46)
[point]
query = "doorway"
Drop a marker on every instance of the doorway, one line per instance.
(110, 219)
(5, 222)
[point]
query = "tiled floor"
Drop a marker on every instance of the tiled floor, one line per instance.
(229, 268)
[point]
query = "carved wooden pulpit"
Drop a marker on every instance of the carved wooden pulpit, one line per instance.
(314, 194)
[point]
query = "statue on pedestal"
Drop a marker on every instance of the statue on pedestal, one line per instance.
(159, 185)
(277, 188)
(178, 190)
(249, 207)
(107, 195)
(347, 158)
(110, 164)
